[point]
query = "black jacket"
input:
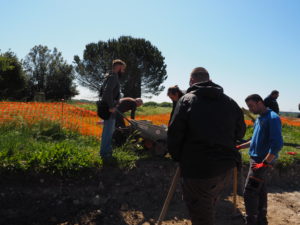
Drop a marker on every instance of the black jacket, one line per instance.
(110, 90)
(272, 104)
(203, 130)
(173, 109)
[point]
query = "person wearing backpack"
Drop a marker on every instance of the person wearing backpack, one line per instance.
(109, 98)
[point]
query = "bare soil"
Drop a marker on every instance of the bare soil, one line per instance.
(114, 196)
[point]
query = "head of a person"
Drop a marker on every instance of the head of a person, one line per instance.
(275, 94)
(139, 102)
(174, 93)
(255, 104)
(118, 66)
(199, 75)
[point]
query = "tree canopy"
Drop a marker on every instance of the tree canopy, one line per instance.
(145, 71)
(48, 72)
(12, 79)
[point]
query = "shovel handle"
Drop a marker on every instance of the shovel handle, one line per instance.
(235, 188)
(169, 196)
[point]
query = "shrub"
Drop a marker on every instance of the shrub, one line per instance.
(150, 104)
(166, 104)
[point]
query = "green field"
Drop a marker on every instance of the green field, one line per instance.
(48, 148)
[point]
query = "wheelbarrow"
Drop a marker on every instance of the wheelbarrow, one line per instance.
(154, 136)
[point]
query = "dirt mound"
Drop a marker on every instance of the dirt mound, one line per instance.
(114, 196)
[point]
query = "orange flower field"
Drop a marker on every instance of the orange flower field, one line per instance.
(76, 118)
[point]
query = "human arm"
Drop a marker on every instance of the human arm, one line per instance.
(132, 115)
(240, 127)
(244, 145)
(275, 135)
(178, 129)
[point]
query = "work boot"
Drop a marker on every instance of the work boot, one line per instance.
(262, 221)
(251, 220)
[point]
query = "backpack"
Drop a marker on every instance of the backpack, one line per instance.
(103, 110)
(102, 107)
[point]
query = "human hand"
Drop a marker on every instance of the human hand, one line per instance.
(256, 166)
(239, 147)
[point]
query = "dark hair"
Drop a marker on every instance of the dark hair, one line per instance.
(254, 97)
(174, 90)
(200, 74)
(118, 62)
(274, 92)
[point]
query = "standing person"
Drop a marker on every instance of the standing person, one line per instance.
(110, 94)
(201, 136)
(174, 94)
(271, 101)
(125, 105)
(264, 145)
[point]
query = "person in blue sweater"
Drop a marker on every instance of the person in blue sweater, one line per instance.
(264, 145)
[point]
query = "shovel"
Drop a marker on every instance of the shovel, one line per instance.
(169, 196)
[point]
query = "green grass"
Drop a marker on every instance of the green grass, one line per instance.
(151, 110)
(143, 110)
(86, 105)
(45, 147)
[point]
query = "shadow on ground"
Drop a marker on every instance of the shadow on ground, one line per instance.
(108, 196)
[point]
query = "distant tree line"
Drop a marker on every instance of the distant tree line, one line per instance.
(155, 104)
(45, 71)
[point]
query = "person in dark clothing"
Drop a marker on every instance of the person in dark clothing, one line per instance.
(264, 145)
(271, 102)
(202, 136)
(174, 94)
(125, 105)
(110, 94)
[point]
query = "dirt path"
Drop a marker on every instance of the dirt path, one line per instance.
(284, 208)
(117, 197)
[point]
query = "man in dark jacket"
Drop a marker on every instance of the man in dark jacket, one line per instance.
(271, 102)
(125, 105)
(202, 134)
(110, 94)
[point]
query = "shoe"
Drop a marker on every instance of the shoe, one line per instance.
(109, 162)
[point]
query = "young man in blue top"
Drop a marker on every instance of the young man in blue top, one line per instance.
(264, 145)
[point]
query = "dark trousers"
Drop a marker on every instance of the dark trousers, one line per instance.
(255, 196)
(201, 195)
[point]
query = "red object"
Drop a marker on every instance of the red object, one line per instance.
(291, 153)
(238, 147)
(256, 166)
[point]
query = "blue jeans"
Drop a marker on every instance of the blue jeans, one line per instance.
(106, 139)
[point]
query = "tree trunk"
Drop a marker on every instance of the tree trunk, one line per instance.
(132, 87)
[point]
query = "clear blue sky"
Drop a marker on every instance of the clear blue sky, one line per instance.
(247, 46)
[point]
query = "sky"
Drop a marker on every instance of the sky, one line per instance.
(247, 46)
